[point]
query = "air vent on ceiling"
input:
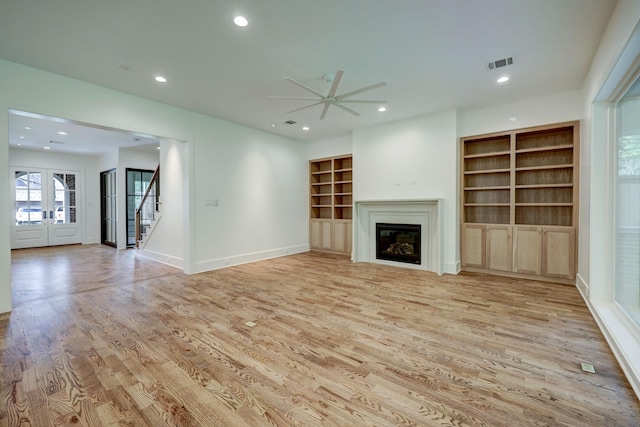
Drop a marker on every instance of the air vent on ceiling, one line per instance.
(290, 122)
(500, 63)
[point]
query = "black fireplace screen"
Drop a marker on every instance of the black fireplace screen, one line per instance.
(398, 242)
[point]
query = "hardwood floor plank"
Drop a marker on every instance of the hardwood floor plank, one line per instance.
(99, 337)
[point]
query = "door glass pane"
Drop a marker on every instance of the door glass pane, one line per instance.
(64, 196)
(627, 279)
(28, 191)
(109, 208)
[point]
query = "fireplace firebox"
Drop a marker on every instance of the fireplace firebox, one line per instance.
(398, 242)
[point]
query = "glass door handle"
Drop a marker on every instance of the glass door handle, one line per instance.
(44, 214)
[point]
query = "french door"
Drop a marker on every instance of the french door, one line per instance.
(47, 211)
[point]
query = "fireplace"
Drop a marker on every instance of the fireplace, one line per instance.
(398, 242)
(424, 212)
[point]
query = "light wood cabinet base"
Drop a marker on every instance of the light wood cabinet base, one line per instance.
(537, 252)
(331, 235)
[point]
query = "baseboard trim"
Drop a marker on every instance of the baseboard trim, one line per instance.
(583, 287)
(453, 267)
(161, 258)
(216, 264)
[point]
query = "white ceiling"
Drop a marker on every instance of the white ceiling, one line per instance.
(35, 132)
(431, 53)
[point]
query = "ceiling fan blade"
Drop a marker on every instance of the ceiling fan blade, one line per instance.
(292, 97)
(363, 101)
(324, 110)
(355, 113)
(364, 89)
(307, 106)
(336, 82)
(304, 87)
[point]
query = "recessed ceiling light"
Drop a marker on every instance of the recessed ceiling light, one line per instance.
(273, 125)
(62, 133)
(161, 79)
(240, 21)
(305, 128)
(27, 128)
(382, 109)
(503, 79)
(46, 147)
(21, 137)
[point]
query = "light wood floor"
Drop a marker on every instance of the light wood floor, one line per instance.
(101, 338)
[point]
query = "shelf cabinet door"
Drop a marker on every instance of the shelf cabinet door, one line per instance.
(499, 253)
(473, 245)
(559, 252)
(342, 236)
(487, 246)
(527, 250)
(320, 236)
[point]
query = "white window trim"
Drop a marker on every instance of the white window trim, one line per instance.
(621, 333)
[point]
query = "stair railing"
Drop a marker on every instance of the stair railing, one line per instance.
(149, 205)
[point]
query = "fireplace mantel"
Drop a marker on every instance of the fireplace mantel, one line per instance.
(426, 212)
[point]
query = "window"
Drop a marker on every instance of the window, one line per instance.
(627, 203)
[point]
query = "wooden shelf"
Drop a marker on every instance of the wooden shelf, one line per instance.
(535, 168)
(487, 204)
(545, 186)
(491, 154)
(497, 187)
(549, 148)
(544, 204)
(486, 171)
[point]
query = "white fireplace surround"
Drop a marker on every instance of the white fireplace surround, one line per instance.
(427, 213)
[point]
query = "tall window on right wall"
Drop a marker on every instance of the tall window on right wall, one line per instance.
(627, 196)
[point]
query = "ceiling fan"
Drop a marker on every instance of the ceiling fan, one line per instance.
(331, 98)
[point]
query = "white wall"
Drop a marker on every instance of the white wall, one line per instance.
(412, 159)
(89, 185)
(260, 179)
(253, 198)
(330, 147)
(561, 107)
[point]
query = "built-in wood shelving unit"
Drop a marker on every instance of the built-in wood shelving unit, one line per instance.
(331, 203)
(525, 177)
